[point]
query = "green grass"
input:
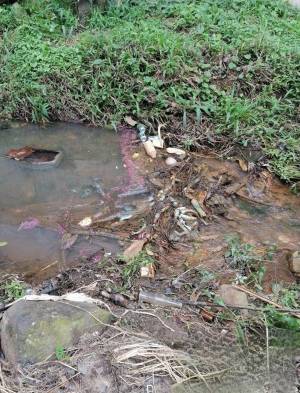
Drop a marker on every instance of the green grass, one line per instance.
(225, 70)
(13, 290)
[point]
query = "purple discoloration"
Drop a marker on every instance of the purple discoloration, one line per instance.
(127, 137)
(31, 223)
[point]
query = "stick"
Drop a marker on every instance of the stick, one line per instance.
(264, 299)
(95, 233)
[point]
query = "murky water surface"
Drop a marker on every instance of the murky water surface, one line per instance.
(37, 207)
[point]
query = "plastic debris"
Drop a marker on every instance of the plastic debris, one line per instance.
(3, 244)
(142, 132)
(157, 141)
(148, 271)
(158, 300)
(86, 222)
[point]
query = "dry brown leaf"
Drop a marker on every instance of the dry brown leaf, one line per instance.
(243, 165)
(20, 154)
(207, 315)
(129, 120)
(201, 196)
(134, 249)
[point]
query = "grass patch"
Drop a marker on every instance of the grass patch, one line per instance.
(213, 70)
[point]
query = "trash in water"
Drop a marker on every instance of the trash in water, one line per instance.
(41, 158)
(31, 223)
(157, 140)
(148, 145)
(20, 154)
(85, 222)
(3, 244)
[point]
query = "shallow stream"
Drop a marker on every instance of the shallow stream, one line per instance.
(37, 206)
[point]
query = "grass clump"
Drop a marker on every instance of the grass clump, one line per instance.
(134, 265)
(213, 70)
(13, 290)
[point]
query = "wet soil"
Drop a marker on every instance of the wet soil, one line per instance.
(191, 264)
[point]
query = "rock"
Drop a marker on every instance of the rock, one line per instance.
(233, 297)
(170, 161)
(32, 330)
(294, 263)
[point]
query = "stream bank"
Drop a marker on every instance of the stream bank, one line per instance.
(243, 232)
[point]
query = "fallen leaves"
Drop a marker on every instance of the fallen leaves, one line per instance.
(20, 154)
(135, 248)
(129, 120)
(243, 165)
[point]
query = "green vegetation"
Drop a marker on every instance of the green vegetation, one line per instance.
(13, 290)
(215, 71)
(134, 265)
(60, 353)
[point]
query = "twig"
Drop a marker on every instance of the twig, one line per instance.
(95, 233)
(267, 346)
(294, 312)
(152, 315)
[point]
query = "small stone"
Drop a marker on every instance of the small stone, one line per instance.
(294, 263)
(233, 297)
(170, 161)
(32, 330)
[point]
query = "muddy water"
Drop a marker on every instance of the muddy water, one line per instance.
(257, 207)
(38, 207)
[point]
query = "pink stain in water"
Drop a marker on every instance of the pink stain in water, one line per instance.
(127, 137)
(31, 223)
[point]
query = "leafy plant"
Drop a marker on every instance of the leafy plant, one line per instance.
(240, 255)
(60, 353)
(14, 290)
(134, 265)
(215, 69)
